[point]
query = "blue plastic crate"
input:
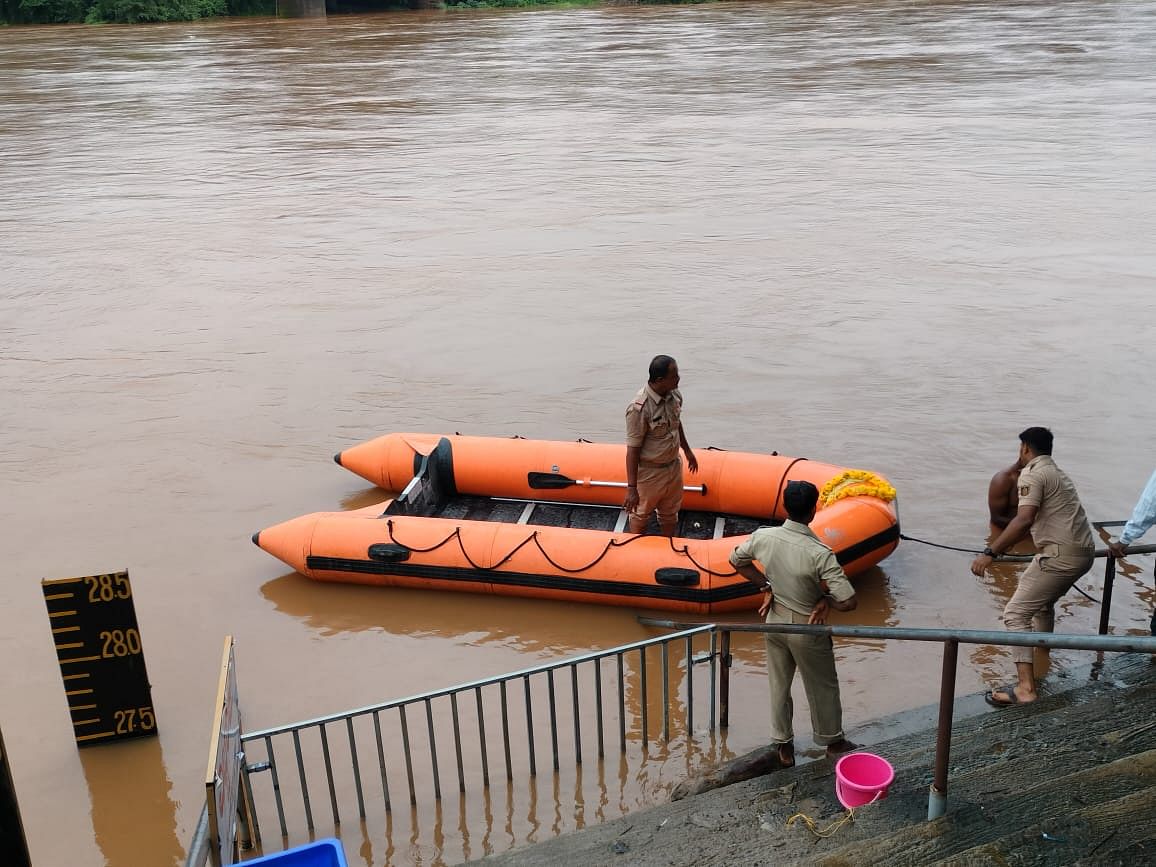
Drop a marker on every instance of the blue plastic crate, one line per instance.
(322, 853)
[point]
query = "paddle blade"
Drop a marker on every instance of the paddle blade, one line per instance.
(549, 481)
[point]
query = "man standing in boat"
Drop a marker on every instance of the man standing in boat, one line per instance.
(802, 580)
(1050, 508)
(654, 436)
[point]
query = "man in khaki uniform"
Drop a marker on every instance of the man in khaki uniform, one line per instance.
(1050, 508)
(654, 435)
(802, 580)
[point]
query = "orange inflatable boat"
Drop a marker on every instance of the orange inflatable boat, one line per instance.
(544, 519)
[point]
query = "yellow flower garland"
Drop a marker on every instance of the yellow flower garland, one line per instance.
(856, 483)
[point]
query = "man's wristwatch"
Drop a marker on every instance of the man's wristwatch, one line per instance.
(987, 552)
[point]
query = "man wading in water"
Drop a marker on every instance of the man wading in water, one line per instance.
(1002, 498)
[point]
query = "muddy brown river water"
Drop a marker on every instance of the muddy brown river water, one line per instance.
(881, 234)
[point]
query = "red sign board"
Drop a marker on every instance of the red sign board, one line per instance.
(223, 776)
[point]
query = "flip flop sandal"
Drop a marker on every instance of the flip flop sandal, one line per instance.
(1010, 691)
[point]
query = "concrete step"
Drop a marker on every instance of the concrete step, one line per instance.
(1119, 831)
(1055, 726)
(1005, 764)
(1031, 798)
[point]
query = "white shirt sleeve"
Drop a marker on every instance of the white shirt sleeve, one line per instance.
(1143, 516)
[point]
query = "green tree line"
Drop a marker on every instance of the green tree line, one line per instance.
(125, 11)
(144, 11)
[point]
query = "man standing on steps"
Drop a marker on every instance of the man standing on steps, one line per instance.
(1050, 508)
(1143, 517)
(802, 580)
(654, 436)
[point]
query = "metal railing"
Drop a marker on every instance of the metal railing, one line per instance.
(386, 728)
(1110, 574)
(951, 639)
(1109, 571)
(403, 750)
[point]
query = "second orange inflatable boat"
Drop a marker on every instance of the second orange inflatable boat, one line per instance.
(544, 519)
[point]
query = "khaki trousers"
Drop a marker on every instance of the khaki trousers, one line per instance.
(659, 490)
(1032, 607)
(814, 657)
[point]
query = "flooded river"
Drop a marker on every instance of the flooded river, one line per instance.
(881, 234)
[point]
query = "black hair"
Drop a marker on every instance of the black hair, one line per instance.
(1038, 439)
(799, 499)
(660, 366)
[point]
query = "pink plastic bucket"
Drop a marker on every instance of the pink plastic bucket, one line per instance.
(861, 778)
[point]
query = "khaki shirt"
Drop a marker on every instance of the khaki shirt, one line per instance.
(1060, 520)
(652, 425)
(794, 561)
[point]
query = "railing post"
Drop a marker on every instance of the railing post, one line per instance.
(937, 798)
(250, 804)
(1106, 604)
(198, 855)
(724, 681)
(244, 832)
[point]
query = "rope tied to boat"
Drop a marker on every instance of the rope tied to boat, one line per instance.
(533, 537)
(685, 551)
(1013, 558)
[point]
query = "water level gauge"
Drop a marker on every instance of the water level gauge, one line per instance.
(98, 646)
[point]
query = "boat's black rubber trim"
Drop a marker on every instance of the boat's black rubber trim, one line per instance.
(442, 468)
(871, 543)
(575, 584)
(675, 576)
(388, 553)
(530, 580)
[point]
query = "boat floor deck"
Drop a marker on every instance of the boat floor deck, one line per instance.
(536, 513)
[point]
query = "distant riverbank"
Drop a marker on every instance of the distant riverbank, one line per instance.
(156, 11)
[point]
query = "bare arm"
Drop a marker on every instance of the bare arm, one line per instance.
(827, 602)
(632, 453)
(752, 574)
(1012, 533)
(1016, 529)
(691, 460)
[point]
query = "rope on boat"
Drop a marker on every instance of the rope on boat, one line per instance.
(685, 551)
(1017, 559)
(616, 543)
(533, 537)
